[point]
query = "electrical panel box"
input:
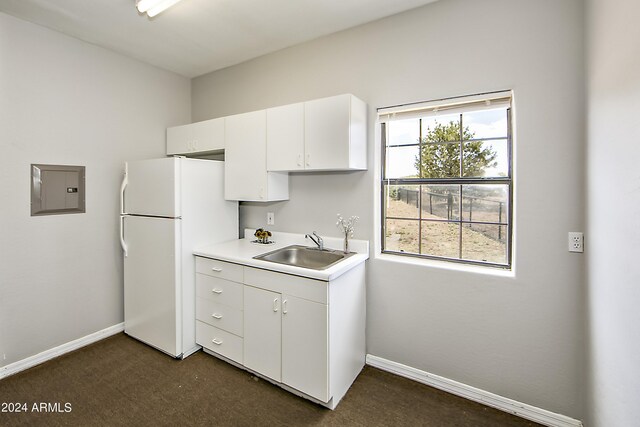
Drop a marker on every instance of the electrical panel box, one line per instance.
(57, 189)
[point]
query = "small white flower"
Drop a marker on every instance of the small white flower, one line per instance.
(348, 225)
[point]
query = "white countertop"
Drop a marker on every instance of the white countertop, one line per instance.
(242, 251)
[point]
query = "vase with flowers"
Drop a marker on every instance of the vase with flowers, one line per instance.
(347, 226)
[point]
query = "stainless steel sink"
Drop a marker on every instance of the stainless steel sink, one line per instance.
(304, 256)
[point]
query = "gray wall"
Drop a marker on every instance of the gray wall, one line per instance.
(519, 336)
(68, 102)
(614, 210)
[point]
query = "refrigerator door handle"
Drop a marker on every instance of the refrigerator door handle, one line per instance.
(125, 181)
(122, 242)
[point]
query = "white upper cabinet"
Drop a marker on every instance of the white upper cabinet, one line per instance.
(335, 133)
(246, 177)
(195, 138)
(324, 134)
(178, 140)
(328, 134)
(285, 138)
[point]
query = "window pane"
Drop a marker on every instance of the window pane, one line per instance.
(402, 201)
(440, 161)
(402, 132)
(485, 159)
(401, 235)
(482, 242)
(401, 162)
(485, 124)
(438, 129)
(441, 202)
(441, 239)
(485, 203)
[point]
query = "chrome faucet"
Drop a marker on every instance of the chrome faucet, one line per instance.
(318, 242)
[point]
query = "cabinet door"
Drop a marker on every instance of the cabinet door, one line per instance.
(262, 331)
(208, 135)
(305, 349)
(285, 138)
(245, 176)
(178, 140)
(326, 132)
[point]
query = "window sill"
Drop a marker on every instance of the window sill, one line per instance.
(445, 265)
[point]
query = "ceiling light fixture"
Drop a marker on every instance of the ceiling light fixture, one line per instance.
(154, 7)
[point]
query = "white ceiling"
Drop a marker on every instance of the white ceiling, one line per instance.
(195, 37)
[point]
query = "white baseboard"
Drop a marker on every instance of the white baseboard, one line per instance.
(39, 358)
(520, 409)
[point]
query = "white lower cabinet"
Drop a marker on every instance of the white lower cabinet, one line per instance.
(304, 334)
(219, 341)
(305, 346)
(219, 315)
(219, 304)
(262, 325)
(285, 339)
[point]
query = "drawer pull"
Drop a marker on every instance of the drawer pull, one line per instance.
(284, 306)
(216, 269)
(216, 341)
(216, 291)
(275, 304)
(216, 316)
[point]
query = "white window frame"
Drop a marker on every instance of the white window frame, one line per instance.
(430, 108)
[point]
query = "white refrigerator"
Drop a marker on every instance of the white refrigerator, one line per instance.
(169, 206)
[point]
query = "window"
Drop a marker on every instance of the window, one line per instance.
(447, 179)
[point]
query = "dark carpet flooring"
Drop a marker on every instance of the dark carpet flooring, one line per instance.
(122, 382)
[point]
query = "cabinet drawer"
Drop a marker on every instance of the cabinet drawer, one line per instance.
(219, 341)
(311, 289)
(221, 269)
(219, 290)
(219, 315)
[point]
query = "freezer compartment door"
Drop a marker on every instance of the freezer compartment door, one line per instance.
(152, 187)
(152, 303)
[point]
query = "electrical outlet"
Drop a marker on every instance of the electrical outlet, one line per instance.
(271, 218)
(576, 241)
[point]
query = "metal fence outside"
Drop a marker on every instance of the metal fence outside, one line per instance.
(447, 206)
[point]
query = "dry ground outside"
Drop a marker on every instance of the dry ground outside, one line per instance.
(442, 238)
